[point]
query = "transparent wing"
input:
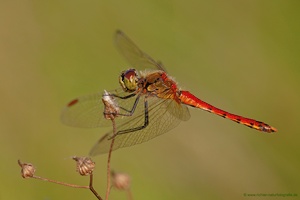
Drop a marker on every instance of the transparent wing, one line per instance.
(164, 115)
(87, 111)
(134, 55)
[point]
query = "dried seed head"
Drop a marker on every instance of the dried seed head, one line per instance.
(27, 170)
(120, 181)
(85, 165)
(111, 108)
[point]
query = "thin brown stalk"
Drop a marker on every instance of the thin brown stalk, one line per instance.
(60, 183)
(92, 188)
(129, 194)
(108, 187)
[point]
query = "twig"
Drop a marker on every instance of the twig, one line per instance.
(60, 183)
(92, 188)
(129, 194)
(108, 187)
(85, 167)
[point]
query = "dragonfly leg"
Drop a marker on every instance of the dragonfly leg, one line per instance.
(129, 112)
(125, 97)
(146, 122)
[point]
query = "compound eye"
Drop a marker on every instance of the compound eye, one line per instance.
(128, 80)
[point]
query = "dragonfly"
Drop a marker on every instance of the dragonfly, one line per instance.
(149, 101)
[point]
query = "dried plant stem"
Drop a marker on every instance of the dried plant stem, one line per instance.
(129, 194)
(108, 187)
(72, 185)
(92, 188)
(60, 183)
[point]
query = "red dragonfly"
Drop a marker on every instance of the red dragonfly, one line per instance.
(149, 100)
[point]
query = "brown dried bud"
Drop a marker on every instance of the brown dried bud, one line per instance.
(111, 108)
(27, 170)
(120, 181)
(85, 165)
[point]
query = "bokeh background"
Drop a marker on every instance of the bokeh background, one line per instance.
(242, 56)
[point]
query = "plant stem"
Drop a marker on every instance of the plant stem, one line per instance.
(109, 158)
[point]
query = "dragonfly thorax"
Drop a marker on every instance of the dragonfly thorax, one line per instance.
(129, 80)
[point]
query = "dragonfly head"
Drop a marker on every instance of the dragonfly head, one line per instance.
(128, 80)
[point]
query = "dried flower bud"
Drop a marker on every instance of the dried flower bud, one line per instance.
(120, 181)
(85, 165)
(27, 170)
(111, 108)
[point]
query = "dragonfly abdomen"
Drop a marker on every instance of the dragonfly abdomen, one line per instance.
(189, 99)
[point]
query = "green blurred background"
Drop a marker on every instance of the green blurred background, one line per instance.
(242, 56)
